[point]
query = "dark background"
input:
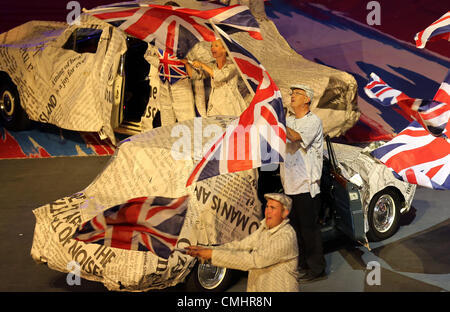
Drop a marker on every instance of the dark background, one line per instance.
(400, 18)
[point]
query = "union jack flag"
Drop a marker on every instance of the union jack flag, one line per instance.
(433, 115)
(170, 68)
(417, 157)
(443, 94)
(176, 29)
(144, 224)
(258, 137)
(440, 29)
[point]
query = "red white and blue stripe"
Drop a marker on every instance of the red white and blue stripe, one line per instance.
(433, 115)
(175, 29)
(258, 137)
(143, 224)
(443, 94)
(440, 29)
(417, 157)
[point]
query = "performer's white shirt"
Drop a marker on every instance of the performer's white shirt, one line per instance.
(302, 168)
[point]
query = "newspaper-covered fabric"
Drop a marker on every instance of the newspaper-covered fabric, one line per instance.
(155, 163)
(335, 102)
(80, 91)
(58, 85)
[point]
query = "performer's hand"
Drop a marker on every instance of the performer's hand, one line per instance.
(292, 135)
(184, 61)
(197, 64)
(199, 252)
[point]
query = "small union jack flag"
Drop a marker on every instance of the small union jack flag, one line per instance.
(431, 114)
(417, 157)
(440, 29)
(144, 224)
(170, 68)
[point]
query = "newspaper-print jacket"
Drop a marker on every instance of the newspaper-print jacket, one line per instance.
(270, 256)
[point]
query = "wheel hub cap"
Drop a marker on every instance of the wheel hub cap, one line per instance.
(210, 276)
(7, 105)
(384, 213)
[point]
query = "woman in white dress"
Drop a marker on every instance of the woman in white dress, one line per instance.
(225, 98)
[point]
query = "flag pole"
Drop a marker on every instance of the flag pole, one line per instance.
(112, 8)
(217, 31)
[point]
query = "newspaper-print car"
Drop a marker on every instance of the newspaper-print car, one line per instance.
(220, 209)
(91, 76)
(361, 197)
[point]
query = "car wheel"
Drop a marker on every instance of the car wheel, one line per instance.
(12, 115)
(383, 215)
(209, 278)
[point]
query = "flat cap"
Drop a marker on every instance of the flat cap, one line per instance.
(308, 90)
(285, 200)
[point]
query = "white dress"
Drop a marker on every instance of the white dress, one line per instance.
(225, 98)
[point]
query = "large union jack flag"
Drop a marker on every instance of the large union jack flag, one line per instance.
(417, 157)
(443, 94)
(433, 115)
(176, 29)
(258, 137)
(144, 224)
(440, 29)
(170, 68)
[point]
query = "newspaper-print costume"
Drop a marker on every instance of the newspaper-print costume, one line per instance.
(302, 169)
(270, 256)
(176, 101)
(225, 99)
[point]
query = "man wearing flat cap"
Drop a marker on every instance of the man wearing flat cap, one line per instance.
(300, 175)
(270, 253)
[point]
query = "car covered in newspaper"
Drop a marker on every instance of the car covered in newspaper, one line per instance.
(80, 72)
(361, 199)
(92, 76)
(360, 195)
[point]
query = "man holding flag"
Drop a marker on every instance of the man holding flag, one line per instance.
(300, 175)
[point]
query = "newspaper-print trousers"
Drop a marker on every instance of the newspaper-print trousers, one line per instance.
(176, 102)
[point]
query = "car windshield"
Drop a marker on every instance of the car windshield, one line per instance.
(84, 40)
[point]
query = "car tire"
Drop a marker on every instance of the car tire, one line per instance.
(12, 115)
(383, 215)
(209, 278)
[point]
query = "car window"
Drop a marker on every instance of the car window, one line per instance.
(84, 40)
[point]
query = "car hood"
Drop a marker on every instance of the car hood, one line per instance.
(32, 34)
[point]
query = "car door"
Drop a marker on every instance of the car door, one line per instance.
(347, 204)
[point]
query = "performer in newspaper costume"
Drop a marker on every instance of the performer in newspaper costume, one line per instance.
(225, 98)
(270, 254)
